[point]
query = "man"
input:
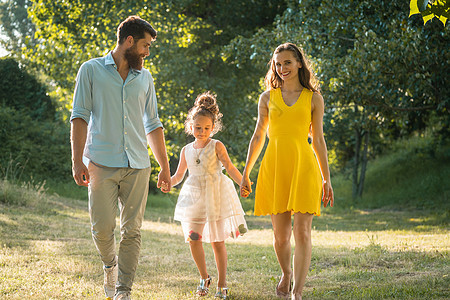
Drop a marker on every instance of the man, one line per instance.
(115, 95)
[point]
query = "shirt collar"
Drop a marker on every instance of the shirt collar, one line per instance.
(109, 60)
(135, 70)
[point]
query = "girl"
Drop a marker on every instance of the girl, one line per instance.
(290, 180)
(208, 206)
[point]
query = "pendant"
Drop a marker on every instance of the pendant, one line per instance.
(198, 161)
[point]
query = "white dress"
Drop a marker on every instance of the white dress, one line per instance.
(208, 206)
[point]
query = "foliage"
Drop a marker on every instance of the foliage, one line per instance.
(412, 175)
(16, 26)
(22, 91)
(41, 148)
(439, 9)
(34, 142)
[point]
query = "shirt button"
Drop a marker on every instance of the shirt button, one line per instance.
(126, 148)
(125, 132)
(125, 117)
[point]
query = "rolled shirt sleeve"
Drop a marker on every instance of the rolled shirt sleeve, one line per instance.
(151, 118)
(82, 98)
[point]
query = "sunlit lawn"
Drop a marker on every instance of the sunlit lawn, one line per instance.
(46, 252)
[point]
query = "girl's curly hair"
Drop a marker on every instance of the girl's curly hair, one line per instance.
(205, 105)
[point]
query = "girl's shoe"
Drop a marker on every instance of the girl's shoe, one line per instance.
(222, 293)
(203, 288)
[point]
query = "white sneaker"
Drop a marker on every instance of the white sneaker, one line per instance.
(122, 296)
(110, 279)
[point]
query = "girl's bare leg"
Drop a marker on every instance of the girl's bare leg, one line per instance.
(220, 254)
(198, 254)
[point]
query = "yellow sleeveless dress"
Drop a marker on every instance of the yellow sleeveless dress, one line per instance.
(289, 178)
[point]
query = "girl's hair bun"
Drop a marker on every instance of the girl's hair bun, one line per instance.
(207, 101)
(205, 105)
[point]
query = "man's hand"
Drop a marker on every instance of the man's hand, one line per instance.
(80, 173)
(164, 181)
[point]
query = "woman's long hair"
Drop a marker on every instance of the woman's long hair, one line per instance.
(306, 77)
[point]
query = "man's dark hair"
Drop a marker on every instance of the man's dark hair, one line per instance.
(136, 27)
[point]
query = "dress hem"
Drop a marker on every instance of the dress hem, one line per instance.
(292, 212)
(206, 221)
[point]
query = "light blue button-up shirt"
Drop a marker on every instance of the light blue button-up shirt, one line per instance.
(120, 114)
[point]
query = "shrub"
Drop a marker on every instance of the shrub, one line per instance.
(39, 149)
(21, 91)
(27, 194)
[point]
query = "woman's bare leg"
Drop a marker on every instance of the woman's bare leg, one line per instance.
(282, 228)
(302, 253)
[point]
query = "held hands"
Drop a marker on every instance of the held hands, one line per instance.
(80, 173)
(328, 195)
(246, 187)
(164, 181)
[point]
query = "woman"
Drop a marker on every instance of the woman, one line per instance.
(292, 176)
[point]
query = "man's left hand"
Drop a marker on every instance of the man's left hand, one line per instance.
(164, 182)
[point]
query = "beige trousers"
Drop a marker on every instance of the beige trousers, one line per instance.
(109, 187)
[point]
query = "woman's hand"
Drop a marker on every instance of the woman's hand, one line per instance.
(246, 186)
(328, 196)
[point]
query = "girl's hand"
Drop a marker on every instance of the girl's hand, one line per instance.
(246, 186)
(328, 195)
(245, 193)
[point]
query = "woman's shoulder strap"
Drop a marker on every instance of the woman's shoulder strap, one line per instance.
(274, 95)
(306, 95)
(274, 92)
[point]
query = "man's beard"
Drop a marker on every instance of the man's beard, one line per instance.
(134, 59)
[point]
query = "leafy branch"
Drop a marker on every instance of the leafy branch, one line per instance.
(430, 9)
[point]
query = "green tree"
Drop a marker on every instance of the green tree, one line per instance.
(21, 91)
(32, 149)
(34, 143)
(16, 26)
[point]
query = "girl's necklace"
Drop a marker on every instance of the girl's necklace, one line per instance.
(198, 154)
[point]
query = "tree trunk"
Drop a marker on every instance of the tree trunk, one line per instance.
(356, 162)
(364, 160)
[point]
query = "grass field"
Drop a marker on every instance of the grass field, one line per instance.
(46, 252)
